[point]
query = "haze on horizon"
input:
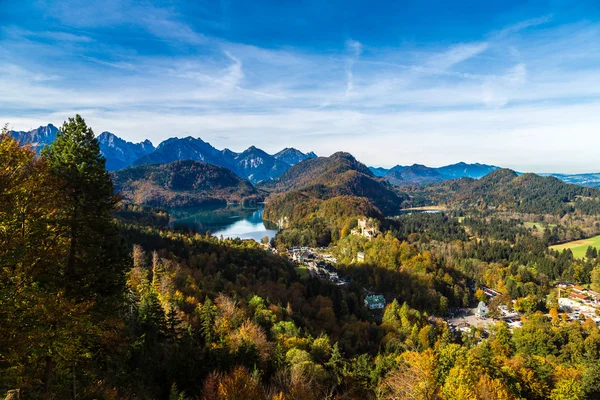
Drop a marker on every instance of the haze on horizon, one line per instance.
(513, 84)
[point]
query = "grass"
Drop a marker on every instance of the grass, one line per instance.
(302, 270)
(579, 247)
(539, 225)
(426, 208)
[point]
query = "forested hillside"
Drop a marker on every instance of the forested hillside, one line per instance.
(318, 200)
(183, 184)
(325, 171)
(503, 189)
(337, 175)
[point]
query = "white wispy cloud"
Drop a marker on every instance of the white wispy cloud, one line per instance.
(355, 49)
(162, 22)
(457, 54)
(522, 25)
(506, 99)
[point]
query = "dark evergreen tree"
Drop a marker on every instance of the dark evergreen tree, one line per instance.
(92, 273)
(336, 363)
(207, 316)
(97, 258)
(591, 253)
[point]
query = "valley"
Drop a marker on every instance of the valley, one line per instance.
(324, 269)
(299, 200)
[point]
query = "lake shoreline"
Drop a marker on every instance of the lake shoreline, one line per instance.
(231, 221)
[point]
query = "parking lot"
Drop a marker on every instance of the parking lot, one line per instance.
(465, 318)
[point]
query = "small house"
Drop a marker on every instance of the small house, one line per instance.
(482, 310)
(578, 289)
(578, 296)
(375, 302)
(563, 285)
(360, 257)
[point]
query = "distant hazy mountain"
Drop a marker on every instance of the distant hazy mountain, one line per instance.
(398, 168)
(228, 156)
(415, 174)
(256, 165)
(464, 170)
(292, 156)
(421, 174)
(37, 138)
(588, 180)
(183, 184)
(379, 171)
(253, 164)
(187, 148)
(120, 154)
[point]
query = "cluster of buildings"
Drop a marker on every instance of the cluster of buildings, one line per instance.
(580, 303)
(580, 294)
(307, 254)
(318, 263)
(575, 310)
(326, 271)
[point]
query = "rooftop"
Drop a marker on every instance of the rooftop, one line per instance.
(375, 299)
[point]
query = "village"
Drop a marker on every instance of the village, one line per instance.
(575, 302)
(318, 262)
(578, 304)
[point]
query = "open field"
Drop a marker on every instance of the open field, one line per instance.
(302, 270)
(538, 225)
(426, 208)
(579, 247)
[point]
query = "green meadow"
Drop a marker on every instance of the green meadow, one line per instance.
(302, 270)
(538, 225)
(579, 247)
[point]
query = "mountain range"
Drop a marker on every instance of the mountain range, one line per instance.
(121, 154)
(420, 174)
(256, 165)
(252, 164)
(36, 138)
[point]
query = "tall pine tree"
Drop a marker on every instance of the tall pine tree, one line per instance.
(94, 268)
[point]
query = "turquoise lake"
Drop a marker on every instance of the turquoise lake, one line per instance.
(229, 222)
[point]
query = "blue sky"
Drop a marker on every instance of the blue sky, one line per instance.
(511, 83)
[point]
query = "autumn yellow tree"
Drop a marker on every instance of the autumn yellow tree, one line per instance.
(414, 378)
(36, 318)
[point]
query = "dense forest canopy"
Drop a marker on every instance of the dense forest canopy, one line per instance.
(504, 189)
(101, 300)
(183, 184)
(337, 175)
